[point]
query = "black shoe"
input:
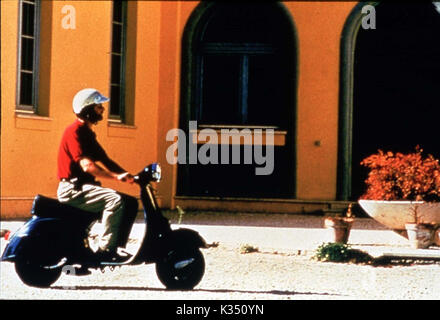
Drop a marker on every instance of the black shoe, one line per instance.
(111, 257)
(83, 271)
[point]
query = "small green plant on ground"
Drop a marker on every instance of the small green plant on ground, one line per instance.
(340, 252)
(247, 248)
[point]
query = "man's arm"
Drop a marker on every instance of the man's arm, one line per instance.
(94, 169)
(112, 165)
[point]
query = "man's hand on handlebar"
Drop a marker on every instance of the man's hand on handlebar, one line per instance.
(126, 177)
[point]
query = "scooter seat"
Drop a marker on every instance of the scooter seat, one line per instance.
(45, 207)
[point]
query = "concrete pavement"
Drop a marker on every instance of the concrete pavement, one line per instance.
(284, 233)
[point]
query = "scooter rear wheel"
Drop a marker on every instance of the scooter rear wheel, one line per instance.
(182, 270)
(35, 274)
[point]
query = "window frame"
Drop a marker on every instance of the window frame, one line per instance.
(120, 117)
(33, 107)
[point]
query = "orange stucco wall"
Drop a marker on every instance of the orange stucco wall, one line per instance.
(319, 27)
(79, 58)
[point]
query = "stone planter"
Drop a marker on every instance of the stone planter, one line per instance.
(395, 214)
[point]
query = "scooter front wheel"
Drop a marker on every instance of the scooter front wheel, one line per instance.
(182, 270)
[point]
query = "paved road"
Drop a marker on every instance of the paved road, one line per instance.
(281, 270)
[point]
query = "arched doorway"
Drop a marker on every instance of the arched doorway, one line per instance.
(395, 83)
(239, 73)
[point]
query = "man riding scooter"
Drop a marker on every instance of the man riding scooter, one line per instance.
(78, 169)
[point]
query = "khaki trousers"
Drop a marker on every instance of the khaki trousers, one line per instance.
(118, 210)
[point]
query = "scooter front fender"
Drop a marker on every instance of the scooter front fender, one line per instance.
(188, 238)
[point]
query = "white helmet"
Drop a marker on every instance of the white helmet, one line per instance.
(86, 97)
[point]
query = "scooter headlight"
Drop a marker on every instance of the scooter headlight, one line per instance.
(152, 172)
(156, 172)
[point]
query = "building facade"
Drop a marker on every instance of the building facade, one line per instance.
(286, 73)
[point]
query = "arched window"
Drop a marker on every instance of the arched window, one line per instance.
(243, 67)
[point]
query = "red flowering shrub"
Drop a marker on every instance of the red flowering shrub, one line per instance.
(397, 176)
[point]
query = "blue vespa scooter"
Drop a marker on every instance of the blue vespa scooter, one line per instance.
(56, 239)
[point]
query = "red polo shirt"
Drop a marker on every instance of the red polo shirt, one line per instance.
(78, 141)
